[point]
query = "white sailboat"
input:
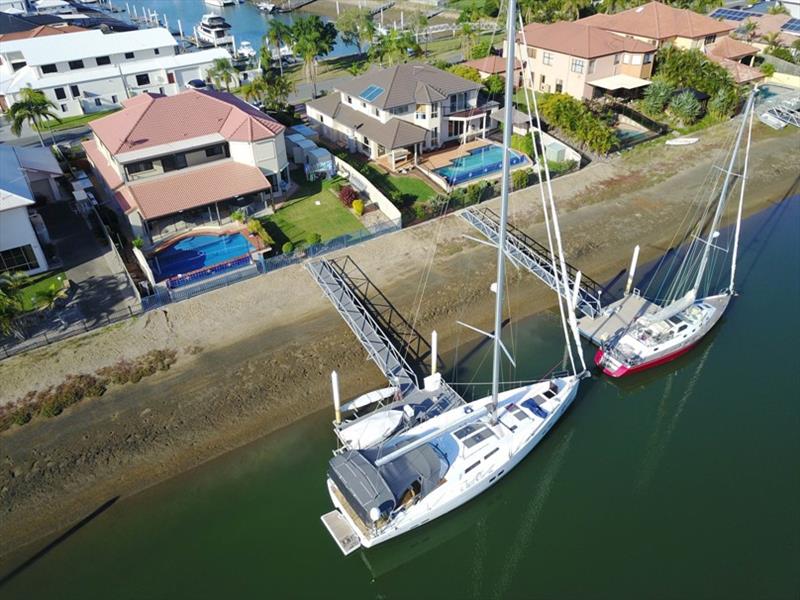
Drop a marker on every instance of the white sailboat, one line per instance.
(670, 329)
(426, 454)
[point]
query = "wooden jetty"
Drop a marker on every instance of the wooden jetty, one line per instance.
(288, 7)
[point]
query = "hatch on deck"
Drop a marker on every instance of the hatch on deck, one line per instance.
(341, 531)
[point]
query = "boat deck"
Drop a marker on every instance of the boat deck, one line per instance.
(617, 314)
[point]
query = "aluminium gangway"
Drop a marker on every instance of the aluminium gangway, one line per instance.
(526, 252)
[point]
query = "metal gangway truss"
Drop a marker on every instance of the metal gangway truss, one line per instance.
(526, 252)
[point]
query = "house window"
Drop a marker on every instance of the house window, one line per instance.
(21, 258)
(60, 94)
(363, 105)
(349, 99)
(75, 91)
(138, 167)
(49, 69)
(531, 52)
(161, 91)
(174, 162)
(98, 102)
(455, 128)
(435, 136)
(156, 51)
(102, 60)
(114, 99)
(559, 86)
(591, 66)
(170, 77)
(457, 102)
(547, 58)
(63, 108)
(215, 151)
(435, 110)
(322, 119)
(420, 115)
(143, 79)
(616, 59)
(129, 55)
(636, 59)
(648, 58)
(710, 39)
(377, 112)
(542, 80)
(576, 65)
(626, 59)
(75, 64)
(399, 110)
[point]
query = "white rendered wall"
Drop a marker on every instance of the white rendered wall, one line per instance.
(16, 230)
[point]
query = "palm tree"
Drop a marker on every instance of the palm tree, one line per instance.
(419, 22)
(571, 8)
(222, 71)
(32, 107)
(356, 27)
(312, 38)
(772, 39)
(255, 89)
(278, 34)
(11, 286)
(749, 29)
(48, 298)
(467, 39)
(277, 92)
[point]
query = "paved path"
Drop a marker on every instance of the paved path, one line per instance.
(28, 136)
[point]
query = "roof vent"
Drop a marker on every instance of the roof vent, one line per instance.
(640, 9)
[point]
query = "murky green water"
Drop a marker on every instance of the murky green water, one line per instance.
(683, 482)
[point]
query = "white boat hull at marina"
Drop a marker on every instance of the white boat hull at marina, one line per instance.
(682, 141)
(513, 447)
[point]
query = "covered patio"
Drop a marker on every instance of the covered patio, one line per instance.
(471, 123)
(620, 86)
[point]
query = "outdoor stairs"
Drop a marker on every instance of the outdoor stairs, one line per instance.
(526, 252)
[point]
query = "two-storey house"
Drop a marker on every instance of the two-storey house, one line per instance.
(173, 163)
(395, 114)
(573, 58)
(90, 71)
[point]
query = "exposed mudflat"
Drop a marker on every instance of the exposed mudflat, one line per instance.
(268, 344)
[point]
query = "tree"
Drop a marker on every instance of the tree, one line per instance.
(32, 107)
(467, 33)
(777, 9)
(419, 22)
(768, 69)
(685, 107)
(772, 40)
(466, 72)
(311, 38)
(277, 92)
(356, 27)
(254, 90)
(394, 47)
(495, 85)
(570, 9)
(49, 298)
(522, 143)
(222, 71)
(481, 50)
(723, 103)
(691, 68)
(749, 29)
(278, 34)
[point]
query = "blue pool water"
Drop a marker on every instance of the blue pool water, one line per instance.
(198, 252)
(478, 163)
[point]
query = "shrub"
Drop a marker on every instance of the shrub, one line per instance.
(783, 54)
(238, 216)
(691, 68)
(347, 195)
(723, 103)
(127, 371)
(256, 227)
(313, 239)
(138, 243)
(358, 206)
(466, 72)
(72, 390)
(474, 192)
(685, 107)
(577, 120)
(287, 248)
(768, 69)
(558, 167)
(657, 95)
(441, 64)
(520, 178)
(522, 143)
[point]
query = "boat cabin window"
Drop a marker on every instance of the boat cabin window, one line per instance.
(471, 467)
(682, 327)
(483, 434)
(675, 320)
(465, 431)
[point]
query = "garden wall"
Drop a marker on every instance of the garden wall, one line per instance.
(374, 194)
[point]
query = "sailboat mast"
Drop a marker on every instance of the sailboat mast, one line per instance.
(724, 193)
(501, 245)
(741, 201)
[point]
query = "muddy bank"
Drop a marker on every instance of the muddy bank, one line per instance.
(269, 343)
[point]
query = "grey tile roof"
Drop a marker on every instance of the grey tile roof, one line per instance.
(408, 83)
(395, 133)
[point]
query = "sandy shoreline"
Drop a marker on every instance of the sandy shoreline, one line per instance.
(269, 343)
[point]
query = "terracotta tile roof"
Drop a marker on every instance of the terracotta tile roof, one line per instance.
(491, 64)
(41, 31)
(180, 190)
(152, 120)
(727, 47)
(659, 22)
(740, 72)
(581, 40)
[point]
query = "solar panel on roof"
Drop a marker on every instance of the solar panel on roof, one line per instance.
(371, 93)
(791, 26)
(732, 14)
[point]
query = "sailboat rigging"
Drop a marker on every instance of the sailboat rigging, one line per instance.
(428, 451)
(666, 331)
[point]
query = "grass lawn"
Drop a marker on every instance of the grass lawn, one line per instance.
(70, 122)
(303, 217)
(411, 186)
(41, 283)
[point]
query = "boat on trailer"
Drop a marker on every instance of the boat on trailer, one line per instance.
(662, 332)
(428, 451)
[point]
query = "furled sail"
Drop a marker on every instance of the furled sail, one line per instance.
(671, 309)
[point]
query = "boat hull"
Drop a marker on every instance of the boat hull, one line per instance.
(625, 370)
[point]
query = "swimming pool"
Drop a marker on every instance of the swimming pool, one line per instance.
(479, 162)
(198, 252)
